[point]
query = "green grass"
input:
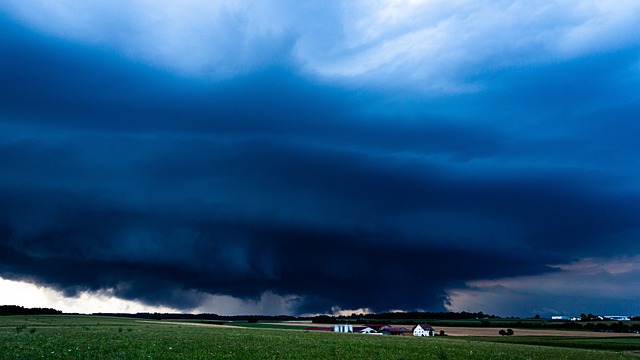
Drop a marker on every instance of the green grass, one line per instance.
(269, 325)
(609, 343)
(88, 337)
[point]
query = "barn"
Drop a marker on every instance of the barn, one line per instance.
(395, 331)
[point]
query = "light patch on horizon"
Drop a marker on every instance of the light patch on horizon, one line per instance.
(568, 291)
(31, 295)
(337, 311)
(268, 304)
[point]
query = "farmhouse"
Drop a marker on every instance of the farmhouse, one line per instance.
(423, 330)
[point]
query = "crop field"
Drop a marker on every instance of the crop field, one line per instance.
(609, 343)
(90, 337)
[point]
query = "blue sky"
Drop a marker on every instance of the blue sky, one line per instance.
(317, 157)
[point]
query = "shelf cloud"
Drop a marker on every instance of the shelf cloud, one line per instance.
(296, 158)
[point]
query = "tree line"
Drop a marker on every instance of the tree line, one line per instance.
(19, 310)
(414, 316)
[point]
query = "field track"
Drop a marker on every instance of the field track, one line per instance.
(472, 331)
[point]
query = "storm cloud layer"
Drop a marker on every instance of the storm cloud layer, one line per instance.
(305, 176)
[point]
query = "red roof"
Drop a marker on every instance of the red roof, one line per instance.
(396, 330)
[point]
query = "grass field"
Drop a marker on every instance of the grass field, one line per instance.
(609, 343)
(89, 337)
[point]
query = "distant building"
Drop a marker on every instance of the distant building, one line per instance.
(423, 330)
(618, 317)
(389, 330)
(344, 328)
(565, 318)
(364, 330)
(377, 327)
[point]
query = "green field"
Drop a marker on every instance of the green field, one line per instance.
(90, 337)
(611, 343)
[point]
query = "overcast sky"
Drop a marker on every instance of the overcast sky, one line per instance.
(303, 157)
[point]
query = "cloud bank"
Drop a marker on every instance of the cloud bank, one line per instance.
(310, 157)
(606, 280)
(430, 45)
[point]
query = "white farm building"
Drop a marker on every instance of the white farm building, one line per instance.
(423, 330)
(343, 328)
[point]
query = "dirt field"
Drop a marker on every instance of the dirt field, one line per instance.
(472, 331)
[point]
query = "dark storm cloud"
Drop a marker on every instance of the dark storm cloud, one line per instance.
(147, 256)
(120, 176)
(265, 216)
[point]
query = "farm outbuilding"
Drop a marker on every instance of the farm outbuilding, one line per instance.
(396, 331)
(343, 328)
(364, 330)
(377, 327)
